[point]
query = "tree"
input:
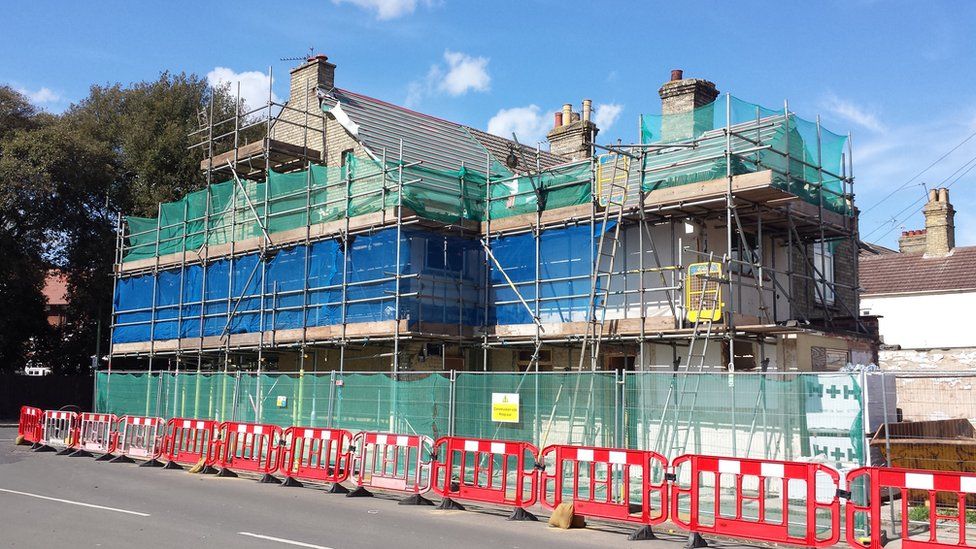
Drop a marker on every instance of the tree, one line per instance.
(63, 180)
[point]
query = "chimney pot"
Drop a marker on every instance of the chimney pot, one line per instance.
(557, 120)
(587, 109)
(933, 195)
(943, 194)
(567, 114)
(677, 74)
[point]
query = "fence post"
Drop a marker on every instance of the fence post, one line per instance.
(332, 384)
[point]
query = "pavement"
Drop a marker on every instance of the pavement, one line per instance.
(48, 500)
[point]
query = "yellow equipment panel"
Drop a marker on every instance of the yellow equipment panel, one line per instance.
(703, 292)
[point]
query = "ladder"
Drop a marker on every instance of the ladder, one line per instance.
(603, 265)
(673, 437)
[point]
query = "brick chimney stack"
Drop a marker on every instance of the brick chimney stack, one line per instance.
(940, 228)
(315, 72)
(912, 242)
(572, 133)
(683, 95)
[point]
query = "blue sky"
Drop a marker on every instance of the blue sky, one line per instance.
(899, 75)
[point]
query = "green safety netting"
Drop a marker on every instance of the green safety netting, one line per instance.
(224, 212)
(566, 185)
(805, 159)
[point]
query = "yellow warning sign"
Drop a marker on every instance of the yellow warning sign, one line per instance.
(505, 407)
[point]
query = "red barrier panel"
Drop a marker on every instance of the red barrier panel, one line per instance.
(140, 437)
(390, 461)
(487, 471)
(316, 454)
(188, 441)
(741, 508)
(96, 433)
(249, 447)
(882, 480)
(59, 430)
(30, 426)
(607, 483)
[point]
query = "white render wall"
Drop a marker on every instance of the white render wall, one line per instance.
(927, 321)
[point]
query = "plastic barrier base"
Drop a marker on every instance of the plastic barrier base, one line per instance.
(171, 465)
(521, 514)
(226, 473)
(209, 470)
(359, 492)
(44, 448)
(415, 499)
(338, 489)
(269, 479)
(105, 457)
(80, 454)
(121, 459)
(292, 482)
(152, 463)
(65, 452)
(448, 504)
(644, 533)
(695, 541)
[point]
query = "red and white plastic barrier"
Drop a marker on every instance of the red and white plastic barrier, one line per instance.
(187, 441)
(248, 447)
(390, 461)
(59, 430)
(880, 481)
(140, 437)
(608, 483)
(487, 471)
(96, 433)
(30, 425)
(750, 485)
(315, 454)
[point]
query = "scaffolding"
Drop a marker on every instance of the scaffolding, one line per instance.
(525, 261)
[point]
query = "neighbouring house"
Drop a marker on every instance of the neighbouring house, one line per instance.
(921, 293)
(56, 296)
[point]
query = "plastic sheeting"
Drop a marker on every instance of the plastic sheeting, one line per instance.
(442, 273)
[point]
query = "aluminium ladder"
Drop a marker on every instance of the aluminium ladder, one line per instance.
(673, 438)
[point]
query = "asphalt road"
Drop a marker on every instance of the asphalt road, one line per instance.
(56, 501)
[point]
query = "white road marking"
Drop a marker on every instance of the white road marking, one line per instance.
(68, 501)
(283, 540)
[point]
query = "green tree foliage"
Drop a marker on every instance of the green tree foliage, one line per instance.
(63, 180)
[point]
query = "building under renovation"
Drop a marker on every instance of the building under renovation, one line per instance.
(341, 232)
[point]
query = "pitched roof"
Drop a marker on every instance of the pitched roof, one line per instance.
(916, 273)
(439, 143)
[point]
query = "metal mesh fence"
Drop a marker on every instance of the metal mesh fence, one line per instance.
(825, 417)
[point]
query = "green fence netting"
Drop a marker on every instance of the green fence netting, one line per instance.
(805, 159)
(772, 416)
(561, 186)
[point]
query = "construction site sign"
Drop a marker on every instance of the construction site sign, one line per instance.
(505, 407)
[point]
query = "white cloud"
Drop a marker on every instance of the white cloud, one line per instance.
(42, 96)
(461, 74)
(384, 9)
(605, 114)
(528, 123)
(254, 85)
(852, 112)
(465, 73)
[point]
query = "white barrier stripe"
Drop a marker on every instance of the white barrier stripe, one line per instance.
(242, 428)
(283, 540)
(728, 466)
(380, 439)
(967, 484)
(470, 445)
(772, 470)
(584, 454)
(68, 501)
(619, 458)
(186, 424)
(326, 435)
(308, 433)
(919, 481)
(402, 440)
(498, 447)
(259, 429)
